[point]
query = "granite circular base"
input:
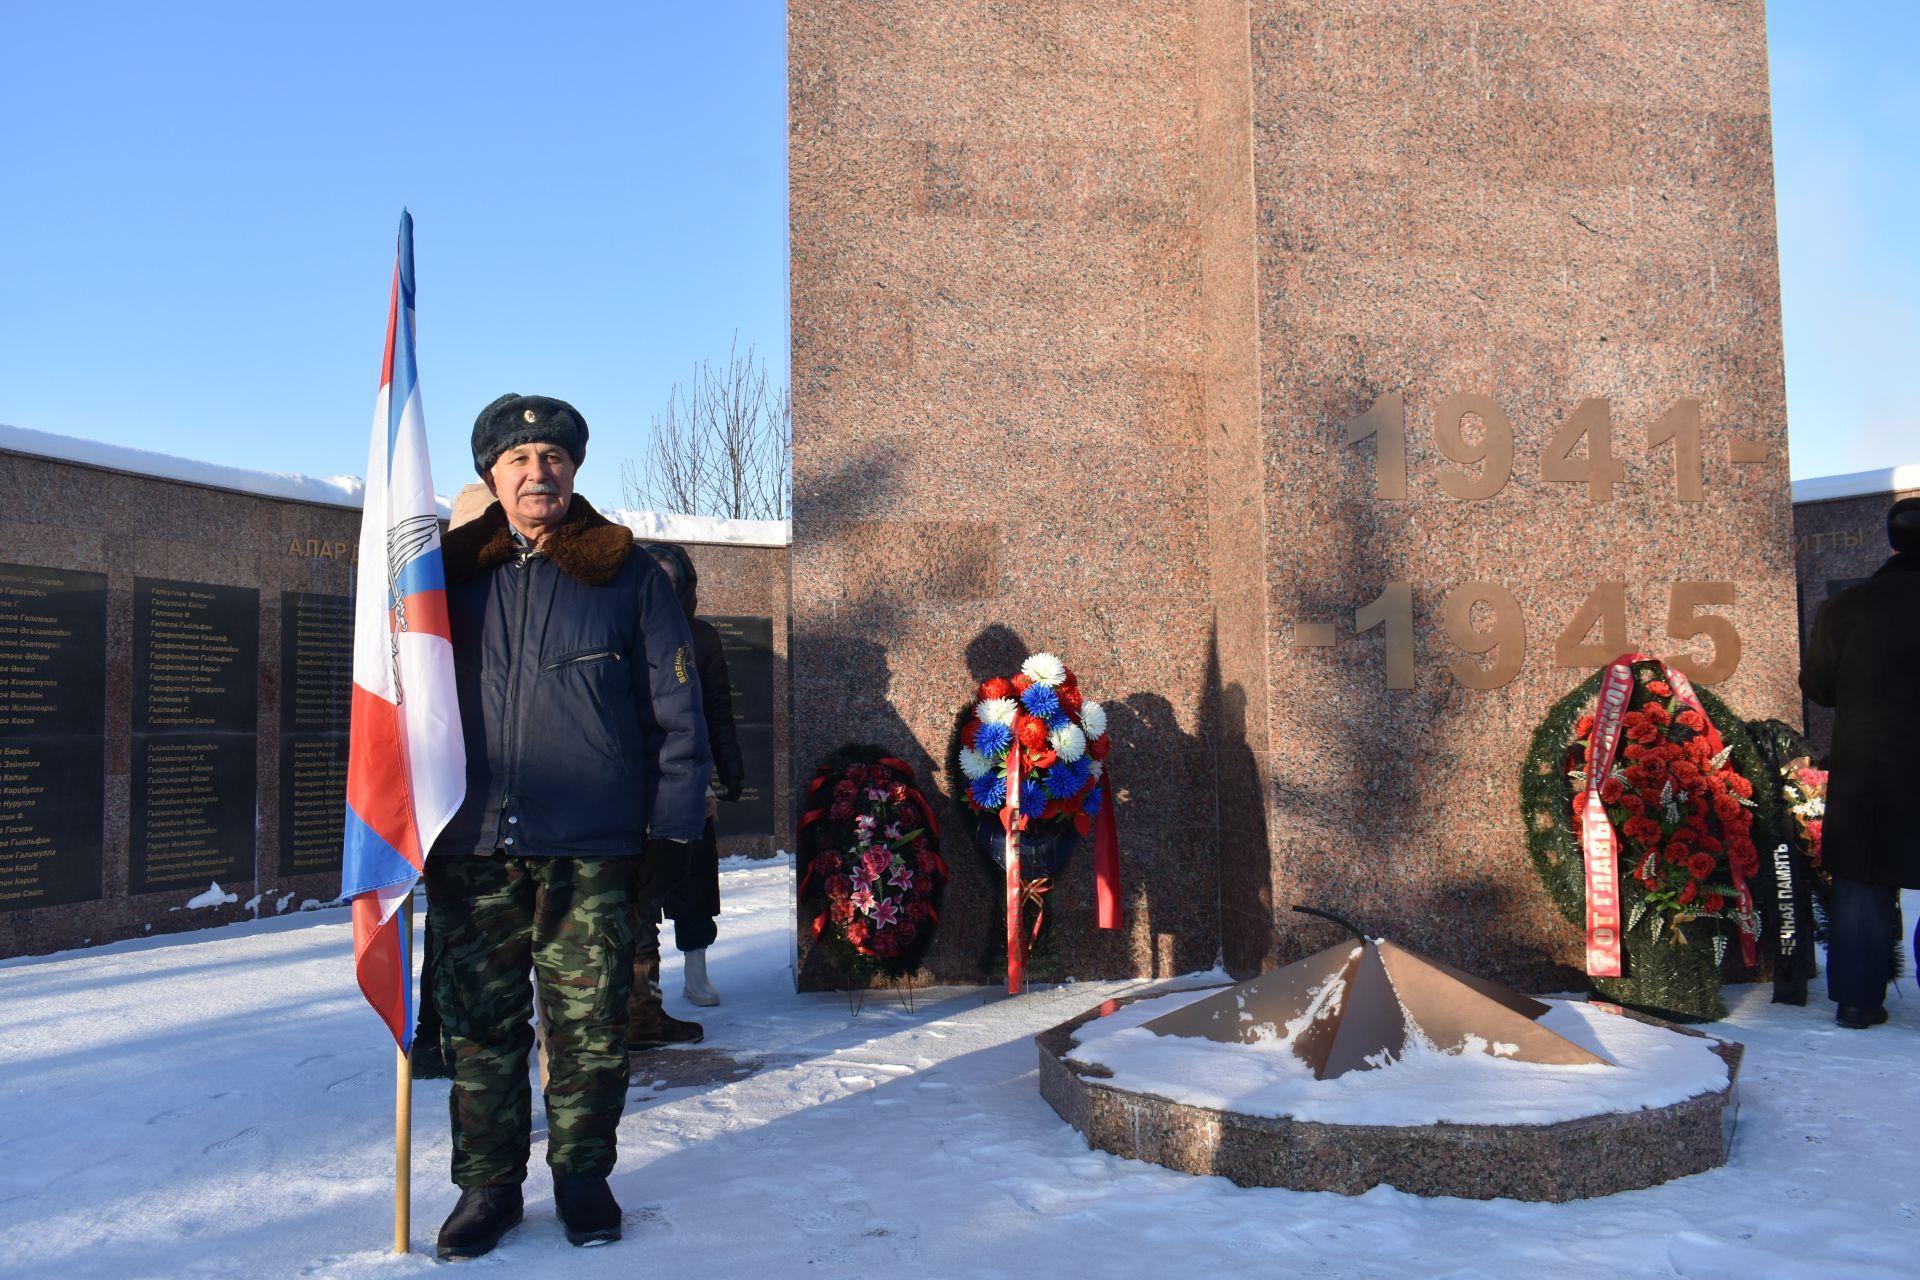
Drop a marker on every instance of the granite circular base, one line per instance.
(1571, 1160)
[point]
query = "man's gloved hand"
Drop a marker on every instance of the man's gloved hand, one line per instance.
(731, 787)
(666, 866)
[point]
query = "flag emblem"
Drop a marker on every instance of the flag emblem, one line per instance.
(406, 759)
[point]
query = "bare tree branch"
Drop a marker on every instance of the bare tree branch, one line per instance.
(724, 448)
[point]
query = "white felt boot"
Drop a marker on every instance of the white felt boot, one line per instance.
(698, 990)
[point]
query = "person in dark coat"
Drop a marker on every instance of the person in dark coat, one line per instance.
(694, 904)
(587, 773)
(1863, 660)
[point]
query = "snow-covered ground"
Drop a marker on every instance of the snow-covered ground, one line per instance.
(1644, 1066)
(220, 1105)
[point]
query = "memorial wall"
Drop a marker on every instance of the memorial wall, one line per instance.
(177, 667)
(1332, 386)
(166, 679)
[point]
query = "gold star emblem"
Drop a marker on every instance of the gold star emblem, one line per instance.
(531, 416)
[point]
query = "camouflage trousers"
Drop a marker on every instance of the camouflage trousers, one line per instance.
(570, 922)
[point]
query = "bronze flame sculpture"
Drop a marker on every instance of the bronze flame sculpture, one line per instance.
(1350, 1008)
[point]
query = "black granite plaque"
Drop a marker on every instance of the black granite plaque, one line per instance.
(316, 663)
(313, 804)
(752, 815)
(316, 701)
(53, 654)
(196, 657)
(748, 646)
(196, 660)
(193, 810)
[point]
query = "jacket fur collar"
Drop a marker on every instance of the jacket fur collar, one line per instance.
(588, 546)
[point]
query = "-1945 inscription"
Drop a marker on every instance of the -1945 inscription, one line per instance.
(1504, 635)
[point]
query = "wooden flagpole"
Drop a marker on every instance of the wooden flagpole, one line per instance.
(403, 1106)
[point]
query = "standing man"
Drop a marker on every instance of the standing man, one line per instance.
(587, 770)
(1864, 661)
(694, 904)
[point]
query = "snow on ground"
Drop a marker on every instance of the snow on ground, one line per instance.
(220, 1105)
(1646, 1066)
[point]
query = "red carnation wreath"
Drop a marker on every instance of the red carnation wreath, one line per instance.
(1683, 810)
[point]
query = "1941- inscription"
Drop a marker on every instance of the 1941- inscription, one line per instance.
(196, 659)
(53, 646)
(1484, 461)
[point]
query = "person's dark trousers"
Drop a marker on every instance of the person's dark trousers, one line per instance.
(428, 1058)
(1863, 927)
(568, 921)
(694, 904)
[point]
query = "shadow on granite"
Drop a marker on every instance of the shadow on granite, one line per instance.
(1572, 1160)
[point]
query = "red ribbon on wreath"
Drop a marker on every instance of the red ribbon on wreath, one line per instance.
(1011, 819)
(1035, 891)
(1599, 846)
(900, 767)
(1106, 858)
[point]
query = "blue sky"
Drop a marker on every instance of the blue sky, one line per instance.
(1846, 143)
(198, 218)
(198, 203)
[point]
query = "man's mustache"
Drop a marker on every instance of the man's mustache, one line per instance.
(538, 487)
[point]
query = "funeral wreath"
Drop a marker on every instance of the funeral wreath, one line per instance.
(1683, 792)
(870, 865)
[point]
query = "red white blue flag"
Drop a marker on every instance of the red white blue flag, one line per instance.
(406, 760)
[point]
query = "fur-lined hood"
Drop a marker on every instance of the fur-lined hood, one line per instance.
(587, 546)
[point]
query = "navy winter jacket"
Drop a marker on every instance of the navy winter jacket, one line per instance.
(1863, 660)
(716, 684)
(579, 695)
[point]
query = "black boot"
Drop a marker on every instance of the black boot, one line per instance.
(476, 1224)
(587, 1208)
(649, 1025)
(1859, 1017)
(1789, 988)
